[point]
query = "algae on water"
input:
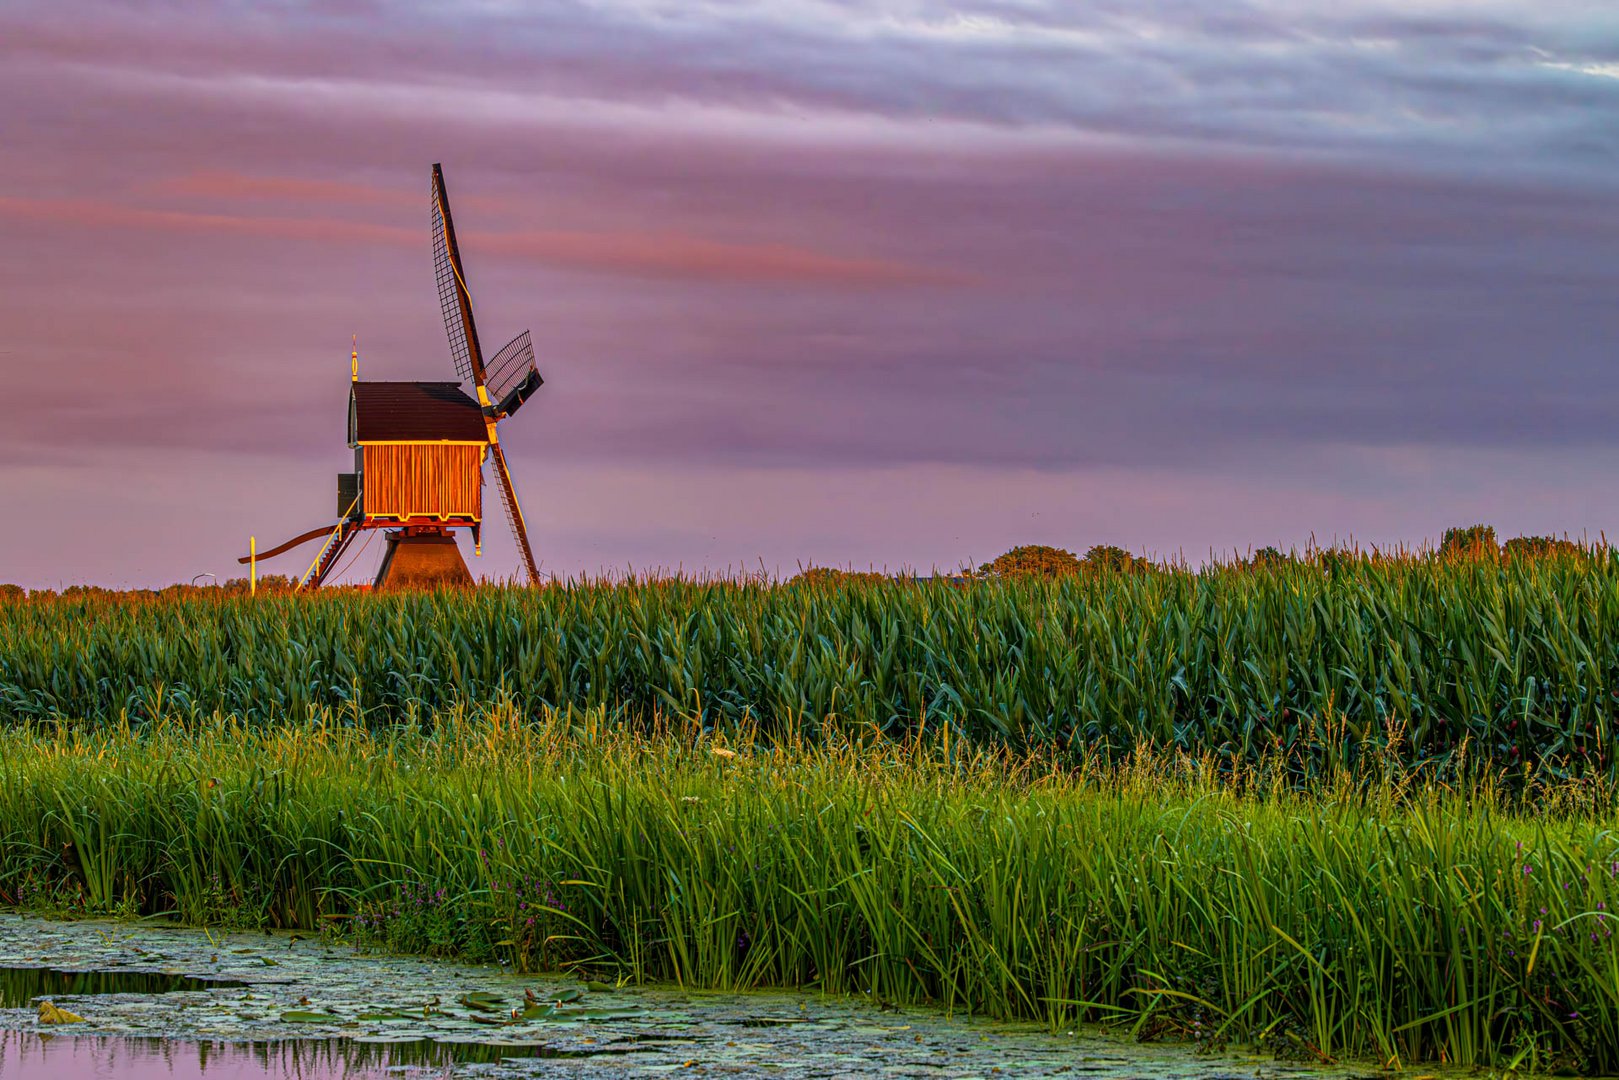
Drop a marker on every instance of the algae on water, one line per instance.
(487, 1021)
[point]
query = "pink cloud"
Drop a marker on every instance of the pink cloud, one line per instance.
(680, 255)
(656, 254)
(227, 185)
(97, 214)
(218, 184)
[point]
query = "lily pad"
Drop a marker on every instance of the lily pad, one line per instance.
(483, 1001)
(606, 1014)
(385, 1015)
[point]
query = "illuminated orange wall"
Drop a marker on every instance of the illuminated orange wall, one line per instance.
(435, 480)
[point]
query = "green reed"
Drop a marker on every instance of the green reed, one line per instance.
(1508, 662)
(1383, 913)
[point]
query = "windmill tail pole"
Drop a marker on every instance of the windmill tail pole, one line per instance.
(252, 566)
(254, 555)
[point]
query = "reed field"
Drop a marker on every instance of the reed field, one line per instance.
(1342, 806)
(1380, 914)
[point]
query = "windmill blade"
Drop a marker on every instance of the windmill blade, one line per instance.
(514, 513)
(456, 303)
(510, 366)
(513, 377)
(514, 398)
(454, 298)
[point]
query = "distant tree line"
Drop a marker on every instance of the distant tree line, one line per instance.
(1046, 561)
(1460, 542)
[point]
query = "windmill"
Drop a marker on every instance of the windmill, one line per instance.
(419, 447)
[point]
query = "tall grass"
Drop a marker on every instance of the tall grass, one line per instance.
(1508, 662)
(1384, 913)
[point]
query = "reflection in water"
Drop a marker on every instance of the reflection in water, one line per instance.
(20, 985)
(80, 1057)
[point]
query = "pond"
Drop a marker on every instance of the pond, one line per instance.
(159, 1002)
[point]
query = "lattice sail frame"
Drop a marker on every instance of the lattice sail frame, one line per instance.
(455, 299)
(444, 276)
(510, 365)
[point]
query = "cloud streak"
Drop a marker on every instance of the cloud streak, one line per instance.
(658, 254)
(1442, 84)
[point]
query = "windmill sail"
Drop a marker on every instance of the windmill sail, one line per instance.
(510, 365)
(514, 513)
(513, 376)
(517, 359)
(453, 297)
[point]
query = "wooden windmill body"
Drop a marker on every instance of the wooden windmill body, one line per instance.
(420, 447)
(419, 450)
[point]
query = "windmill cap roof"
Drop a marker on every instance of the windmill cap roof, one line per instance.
(414, 412)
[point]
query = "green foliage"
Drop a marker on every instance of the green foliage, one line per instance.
(412, 915)
(1469, 542)
(268, 584)
(1107, 559)
(1380, 913)
(91, 592)
(12, 593)
(1032, 560)
(831, 577)
(1542, 547)
(1340, 561)
(1269, 556)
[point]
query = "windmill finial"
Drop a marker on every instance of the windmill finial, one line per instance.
(354, 361)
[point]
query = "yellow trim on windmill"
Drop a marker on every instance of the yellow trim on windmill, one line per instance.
(421, 442)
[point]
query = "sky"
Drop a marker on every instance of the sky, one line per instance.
(893, 285)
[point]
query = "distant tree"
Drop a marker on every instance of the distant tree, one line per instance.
(1032, 560)
(1469, 541)
(1540, 547)
(1107, 559)
(832, 577)
(88, 592)
(9, 593)
(1269, 556)
(1338, 560)
(268, 583)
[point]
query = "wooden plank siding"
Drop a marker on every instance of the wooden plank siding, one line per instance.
(424, 480)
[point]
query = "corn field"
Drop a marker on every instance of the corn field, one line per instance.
(1505, 664)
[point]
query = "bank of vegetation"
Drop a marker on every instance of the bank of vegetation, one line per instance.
(1339, 803)
(1398, 915)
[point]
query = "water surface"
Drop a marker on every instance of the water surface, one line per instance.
(165, 1003)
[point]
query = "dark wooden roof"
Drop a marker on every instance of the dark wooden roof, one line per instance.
(413, 412)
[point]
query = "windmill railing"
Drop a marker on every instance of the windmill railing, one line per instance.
(332, 538)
